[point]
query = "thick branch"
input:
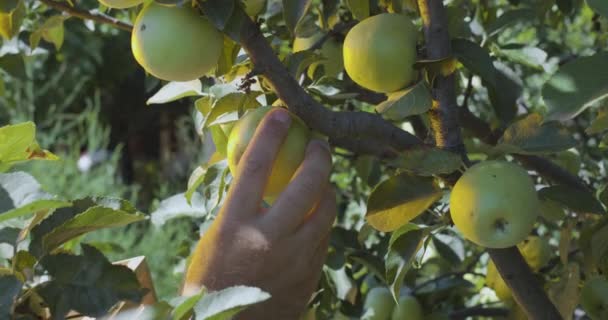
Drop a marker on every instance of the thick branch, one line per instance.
(338, 126)
(82, 14)
(444, 118)
(444, 122)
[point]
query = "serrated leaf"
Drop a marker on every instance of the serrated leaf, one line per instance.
(510, 18)
(294, 12)
(359, 8)
(21, 194)
(10, 21)
(575, 86)
(177, 90)
(94, 218)
(575, 199)
(403, 246)
(565, 293)
(178, 206)
(40, 244)
(411, 101)
(10, 287)
(476, 59)
(427, 161)
(400, 199)
(88, 284)
(531, 136)
(599, 6)
(599, 124)
(228, 302)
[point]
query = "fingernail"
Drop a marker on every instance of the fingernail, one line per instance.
(321, 143)
(282, 116)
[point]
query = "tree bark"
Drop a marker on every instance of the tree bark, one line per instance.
(444, 122)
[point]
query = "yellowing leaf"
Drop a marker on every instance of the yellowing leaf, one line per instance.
(398, 200)
(427, 161)
(51, 30)
(10, 22)
(17, 143)
(531, 136)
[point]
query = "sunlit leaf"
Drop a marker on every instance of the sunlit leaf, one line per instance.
(575, 86)
(427, 161)
(400, 199)
(176, 90)
(11, 18)
(531, 136)
(228, 302)
(411, 101)
(51, 30)
(178, 206)
(359, 8)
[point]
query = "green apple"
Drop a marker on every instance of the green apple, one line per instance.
(378, 305)
(120, 4)
(409, 308)
(594, 298)
(331, 50)
(494, 204)
(254, 7)
(380, 52)
(536, 251)
(288, 158)
(175, 43)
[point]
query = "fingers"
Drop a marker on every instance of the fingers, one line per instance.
(321, 220)
(305, 189)
(256, 163)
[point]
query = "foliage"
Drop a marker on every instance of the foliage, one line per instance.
(530, 84)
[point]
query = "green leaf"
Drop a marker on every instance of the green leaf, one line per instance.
(17, 143)
(94, 218)
(229, 107)
(10, 287)
(226, 15)
(84, 216)
(359, 8)
(227, 303)
(600, 124)
(13, 65)
(599, 6)
(532, 57)
(51, 30)
(403, 246)
(9, 235)
(476, 59)
(400, 199)
(20, 194)
(228, 58)
(411, 101)
(565, 293)
(184, 306)
(531, 136)
(575, 86)
(294, 12)
(178, 206)
(427, 161)
(88, 284)
(575, 199)
(10, 21)
(503, 96)
(212, 178)
(509, 18)
(346, 288)
(176, 90)
(447, 252)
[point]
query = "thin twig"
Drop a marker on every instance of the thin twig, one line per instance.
(87, 15)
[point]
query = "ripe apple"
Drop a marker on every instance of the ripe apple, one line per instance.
(378, 305)
(380, 51)
(120, 4)
(254, 7)
(536, 251)
(496, 282)
(408, 308)
(494, 204)
(331, 50)
(594, 298)
(287, 160)
(175, 43)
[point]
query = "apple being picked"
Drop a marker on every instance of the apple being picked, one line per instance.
(494, 204)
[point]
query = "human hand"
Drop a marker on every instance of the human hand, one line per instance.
(280, 250)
